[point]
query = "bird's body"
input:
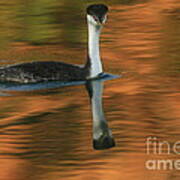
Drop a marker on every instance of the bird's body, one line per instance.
(40, 71)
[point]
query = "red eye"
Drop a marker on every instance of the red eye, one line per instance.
(95, 18)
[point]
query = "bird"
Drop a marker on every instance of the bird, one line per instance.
(44, 71)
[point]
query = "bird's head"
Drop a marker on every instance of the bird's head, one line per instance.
(97, 14)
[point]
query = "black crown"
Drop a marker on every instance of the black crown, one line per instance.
(97, 9)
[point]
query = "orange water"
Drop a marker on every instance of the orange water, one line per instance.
(46, 134)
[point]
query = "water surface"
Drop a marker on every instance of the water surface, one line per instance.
(47, 133)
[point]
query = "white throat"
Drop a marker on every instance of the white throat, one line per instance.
(93, 48)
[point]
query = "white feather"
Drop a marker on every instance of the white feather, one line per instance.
(93, 47)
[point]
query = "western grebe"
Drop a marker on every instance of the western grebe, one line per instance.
(33, 72)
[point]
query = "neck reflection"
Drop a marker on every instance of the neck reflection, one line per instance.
(102, 136)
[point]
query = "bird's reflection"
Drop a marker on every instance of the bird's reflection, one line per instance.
(102, 136)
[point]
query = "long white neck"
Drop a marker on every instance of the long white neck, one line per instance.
(93, 50)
